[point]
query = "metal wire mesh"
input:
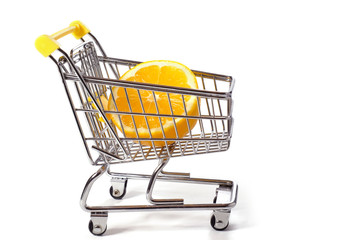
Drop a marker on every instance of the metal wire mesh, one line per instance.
(212, 132)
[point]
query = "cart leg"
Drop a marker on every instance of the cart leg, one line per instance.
(159, 168)
(88, 186)
(118, 187)
(220, 218)
(98, 223)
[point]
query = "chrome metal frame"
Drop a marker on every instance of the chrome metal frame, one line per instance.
(87, 76)
(224, 185)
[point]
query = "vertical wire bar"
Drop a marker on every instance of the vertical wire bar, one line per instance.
(85, 66)
(85, 61)
(222, 121)
(95, 120)
(185, 110)
(207, 102)
(107, 73)
(207, 144)
(79, 93)
(218, 101)
(131, 111)
(88, 106)
(95, 66)
(161, 125)
(187, 121)
(92, 73)
(110, 88)
(132, 116)
(87, 115)
(116, 149)
(120, 121)
(101, 127)
(105, 94)
(172, 113)
(117, 69)
(229, 121)
(174, 122)
(112, 95)
(146, 121)
(216, 131)
(99, 71)
(92, 61)
(93, 125)
(213, 110)
(202, 134)
(96, 62)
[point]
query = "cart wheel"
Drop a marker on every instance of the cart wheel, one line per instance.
(119, 191)
(97, 230)
(220, 220)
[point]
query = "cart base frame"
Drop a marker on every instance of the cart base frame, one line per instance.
(224, 200)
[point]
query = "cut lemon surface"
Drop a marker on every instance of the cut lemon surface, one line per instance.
(155, 72)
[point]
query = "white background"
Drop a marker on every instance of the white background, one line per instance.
(295, 148)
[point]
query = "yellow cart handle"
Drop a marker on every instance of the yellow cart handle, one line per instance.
(46, 44)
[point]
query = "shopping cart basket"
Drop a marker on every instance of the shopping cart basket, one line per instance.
(89, 78)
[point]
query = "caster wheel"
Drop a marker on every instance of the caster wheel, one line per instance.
(97, 229)
(219, 222)
(120, 190)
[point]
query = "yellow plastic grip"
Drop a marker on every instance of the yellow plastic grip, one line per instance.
(46, 44)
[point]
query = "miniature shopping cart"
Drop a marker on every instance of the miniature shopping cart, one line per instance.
(89, 78)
